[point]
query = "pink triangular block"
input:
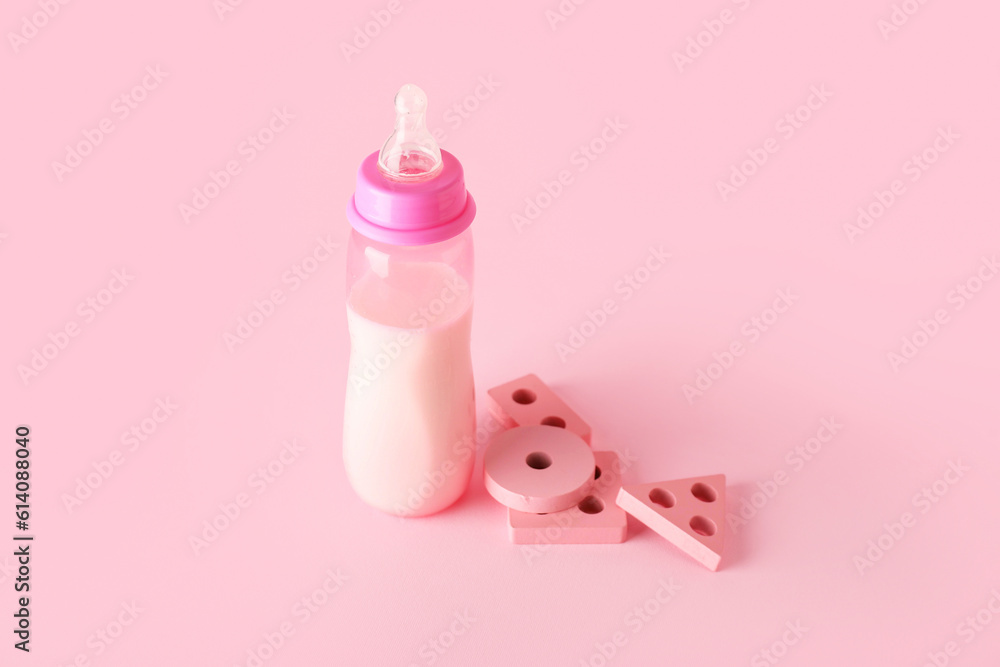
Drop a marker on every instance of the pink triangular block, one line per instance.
(690, 513)
(527, 400)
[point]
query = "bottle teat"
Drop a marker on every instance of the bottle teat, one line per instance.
(410, 153)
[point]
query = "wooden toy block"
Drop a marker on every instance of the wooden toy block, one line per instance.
(538, 468)
(528, 401)
(594, 520)
(690, 513)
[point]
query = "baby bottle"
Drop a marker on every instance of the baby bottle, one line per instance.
(409, 414)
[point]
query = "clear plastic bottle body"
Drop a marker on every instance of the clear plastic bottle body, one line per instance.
(409, 417)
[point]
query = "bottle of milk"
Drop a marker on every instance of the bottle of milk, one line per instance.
(410, 417)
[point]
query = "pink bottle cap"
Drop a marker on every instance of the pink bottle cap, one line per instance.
(411, 192)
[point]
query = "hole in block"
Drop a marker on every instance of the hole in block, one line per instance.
(524, 396)
(538, 460)
(597, 472)
(703, 525)
(591, 505)
(554, 421)
(704, 492)
(663, 498)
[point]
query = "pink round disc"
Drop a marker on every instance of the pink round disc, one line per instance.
(538, 469)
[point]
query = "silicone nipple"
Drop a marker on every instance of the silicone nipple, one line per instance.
(410, 153)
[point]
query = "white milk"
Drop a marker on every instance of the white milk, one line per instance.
(410, 419)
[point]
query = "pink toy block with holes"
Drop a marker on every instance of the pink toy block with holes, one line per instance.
(594, 520)
(538, 468)
(690, 513)
(528, 401)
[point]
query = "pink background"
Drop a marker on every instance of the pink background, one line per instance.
(827, 357)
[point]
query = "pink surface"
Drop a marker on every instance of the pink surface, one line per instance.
(689, 513)
(594, 520)
(843, 377)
